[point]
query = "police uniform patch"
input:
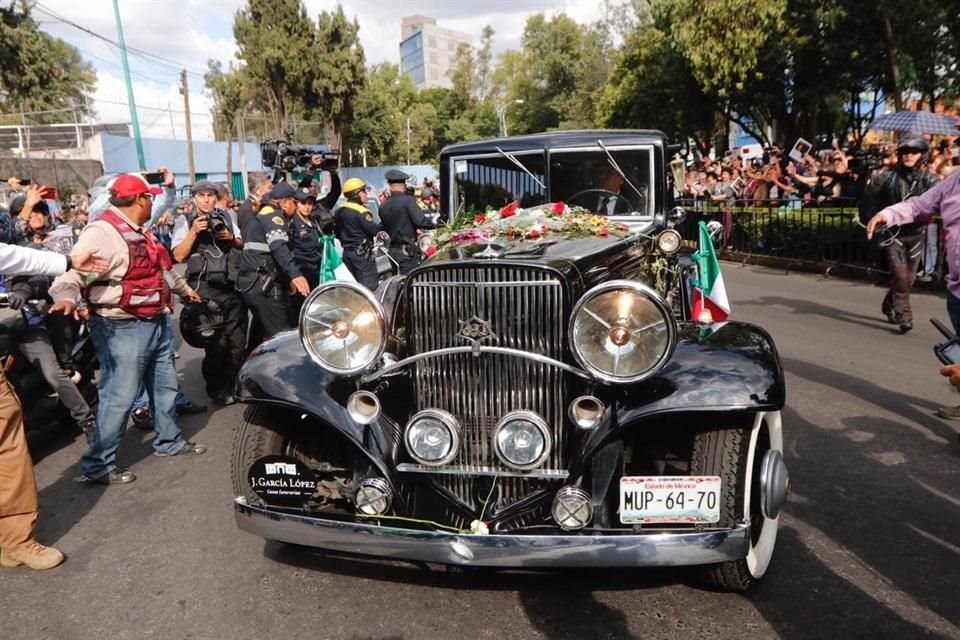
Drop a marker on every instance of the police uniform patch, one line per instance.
(368, 216)
(276, 220)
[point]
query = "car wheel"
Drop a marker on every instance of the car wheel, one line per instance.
(736, 455)
(257, 436)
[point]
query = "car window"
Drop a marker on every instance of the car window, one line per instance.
(493, 181)
(587, 178)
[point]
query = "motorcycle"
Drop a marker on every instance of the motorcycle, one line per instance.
(41, 406)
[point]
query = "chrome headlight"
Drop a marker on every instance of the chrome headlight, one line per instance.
(432, 437)
(522, 440)
(342, 327)
(622, 331)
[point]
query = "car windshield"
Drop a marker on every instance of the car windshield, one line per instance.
(493, 181)
(589, 179)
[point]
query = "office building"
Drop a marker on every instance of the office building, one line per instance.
(427, 52)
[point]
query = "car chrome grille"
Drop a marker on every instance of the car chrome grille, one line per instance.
(523, 308)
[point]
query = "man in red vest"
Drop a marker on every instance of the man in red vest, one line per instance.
(129, 301)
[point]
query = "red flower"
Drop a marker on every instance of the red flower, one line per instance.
(533, 234)
(602, 232)
(430, 251)
(511, 232)
(479, 219)
(509, 210)
(559, 208)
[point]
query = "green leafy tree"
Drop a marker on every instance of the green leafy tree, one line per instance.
(276, 44)
(226, 92)
(39, 72)
(339, 77)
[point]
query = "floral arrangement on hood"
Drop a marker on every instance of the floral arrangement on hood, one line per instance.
(545, 221)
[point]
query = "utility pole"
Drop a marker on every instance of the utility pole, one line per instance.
(185, 90)
(126, 76)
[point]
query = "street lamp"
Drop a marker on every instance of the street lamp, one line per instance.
(502, 115)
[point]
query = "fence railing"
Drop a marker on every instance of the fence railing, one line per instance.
(818, 234)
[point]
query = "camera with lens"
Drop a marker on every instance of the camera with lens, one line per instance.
(867, 160)
(281, 155)
(217, 222)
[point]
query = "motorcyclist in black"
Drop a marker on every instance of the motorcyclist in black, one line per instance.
(401, 218)
(209, 241)
(355, 229)
(902, 245)
(269, 273)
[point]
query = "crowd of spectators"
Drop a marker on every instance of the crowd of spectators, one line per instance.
(829, 177)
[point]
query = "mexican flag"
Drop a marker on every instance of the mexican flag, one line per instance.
(709, 295)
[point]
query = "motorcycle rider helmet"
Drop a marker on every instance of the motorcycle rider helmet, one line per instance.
(353, 186)
(913, 142)
(201, 323)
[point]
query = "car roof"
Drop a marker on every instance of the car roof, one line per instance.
(558, 139)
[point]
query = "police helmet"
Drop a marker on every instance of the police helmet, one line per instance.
(201, 323)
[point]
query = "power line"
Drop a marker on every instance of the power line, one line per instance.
(146, 55)
(140, 106)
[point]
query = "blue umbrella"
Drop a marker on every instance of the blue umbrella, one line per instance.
(917, 122)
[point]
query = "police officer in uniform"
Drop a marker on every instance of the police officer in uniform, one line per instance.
(355, 228)
(903, 248)
(209, 241)
(268, 271)
(313, 219)
(401, 217)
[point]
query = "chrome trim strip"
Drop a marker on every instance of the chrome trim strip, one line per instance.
(492, 285)
(673, 549)
(536, 357)
(481, 470)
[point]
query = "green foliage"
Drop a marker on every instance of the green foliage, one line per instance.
(338, 65)
(39, 72)
(228, 100)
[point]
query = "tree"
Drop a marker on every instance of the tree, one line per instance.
(484, 61)
(39, 72)
(558, 74)
(226, 92)
(340, 74)
(276, 43)
(652, 87)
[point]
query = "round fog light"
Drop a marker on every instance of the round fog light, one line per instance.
(522, 440)
(571, 508)
(373, 497)
(432, 437)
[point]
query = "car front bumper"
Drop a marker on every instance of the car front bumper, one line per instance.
(500, 550)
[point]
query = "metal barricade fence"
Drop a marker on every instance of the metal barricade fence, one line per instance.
(822, 235)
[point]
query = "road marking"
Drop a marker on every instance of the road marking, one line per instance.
(935, 491)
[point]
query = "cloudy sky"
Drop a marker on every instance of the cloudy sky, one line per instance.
(187, 33)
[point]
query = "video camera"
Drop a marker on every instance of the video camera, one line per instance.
(280, 155)
(869, 159)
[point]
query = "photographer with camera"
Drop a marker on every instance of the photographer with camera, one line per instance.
(355, 229)
(208, 240)
(903, 246)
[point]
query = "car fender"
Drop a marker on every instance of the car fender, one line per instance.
(731, 367)
(280, 372)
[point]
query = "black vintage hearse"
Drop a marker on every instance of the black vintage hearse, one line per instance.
(521, 401)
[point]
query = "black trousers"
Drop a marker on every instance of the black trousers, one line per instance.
(271, 308)
(222, 359)
(903, 256)
(363, 268)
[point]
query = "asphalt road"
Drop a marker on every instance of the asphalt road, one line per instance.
(869, 545)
